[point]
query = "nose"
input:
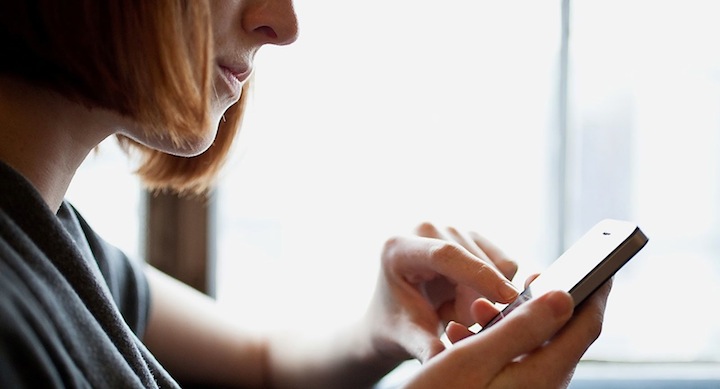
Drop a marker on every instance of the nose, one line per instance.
(271, 21)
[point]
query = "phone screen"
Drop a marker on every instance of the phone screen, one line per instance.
(586, 265)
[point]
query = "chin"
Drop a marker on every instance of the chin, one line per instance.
(192, 149)
(185, 148)
(188, 148)
(197, 146)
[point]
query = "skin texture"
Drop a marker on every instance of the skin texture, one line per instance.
(430, 279)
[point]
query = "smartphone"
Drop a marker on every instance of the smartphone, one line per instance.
(586, 265)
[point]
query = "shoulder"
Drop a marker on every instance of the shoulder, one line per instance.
(26, 335)
(124, 277)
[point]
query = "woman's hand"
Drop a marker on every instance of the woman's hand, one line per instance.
(430, 280)
(538, 346)
(443, 280)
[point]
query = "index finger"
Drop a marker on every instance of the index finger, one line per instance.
(475, 243)
(421, 259)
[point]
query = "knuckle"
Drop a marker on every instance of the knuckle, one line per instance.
(595, 327)
(444, 252)
(595, 331)
(452, 230)
(426, 229)
(391, 247)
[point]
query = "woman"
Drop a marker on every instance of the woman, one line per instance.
(168, 77)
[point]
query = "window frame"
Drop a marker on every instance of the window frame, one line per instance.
(180, 237)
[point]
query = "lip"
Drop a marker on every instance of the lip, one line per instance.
(234, 78)
(240, 74)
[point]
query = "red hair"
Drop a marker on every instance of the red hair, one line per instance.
(148, 60)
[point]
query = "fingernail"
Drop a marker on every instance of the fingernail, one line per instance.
(508, 291)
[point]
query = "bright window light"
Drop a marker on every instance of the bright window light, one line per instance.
(109, 197)
(645, 123)
(381, 116)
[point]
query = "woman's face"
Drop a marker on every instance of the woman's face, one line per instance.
(240, 28)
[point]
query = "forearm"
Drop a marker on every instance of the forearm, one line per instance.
(341, 360)
(192, 339)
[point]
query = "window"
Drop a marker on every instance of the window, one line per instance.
(644, 132)
(113, 207)
(373, 122)
(481, 115)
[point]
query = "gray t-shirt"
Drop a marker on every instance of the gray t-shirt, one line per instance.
(72, 306)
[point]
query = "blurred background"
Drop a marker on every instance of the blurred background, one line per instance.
(527, 121)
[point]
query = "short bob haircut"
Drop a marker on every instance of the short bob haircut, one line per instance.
(150, 60)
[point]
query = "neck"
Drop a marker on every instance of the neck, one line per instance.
(46, 137)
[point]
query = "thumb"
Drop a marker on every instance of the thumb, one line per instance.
(528, 327)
